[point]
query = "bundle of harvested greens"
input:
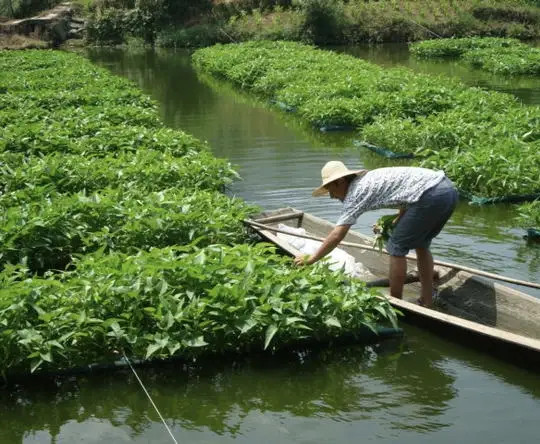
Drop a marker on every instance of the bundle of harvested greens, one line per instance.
(383, 229)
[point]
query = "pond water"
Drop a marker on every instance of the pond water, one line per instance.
(420, 389)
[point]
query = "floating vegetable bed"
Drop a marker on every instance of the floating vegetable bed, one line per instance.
(47, 233)
(177, 301)
(497, 55)
(438, 48)
(115, 235)
(84, 158)
(487, 142)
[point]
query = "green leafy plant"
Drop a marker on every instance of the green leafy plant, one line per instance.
(114, 236)
(383, 229)
(529, 215)
(177, 302)
(459, 47)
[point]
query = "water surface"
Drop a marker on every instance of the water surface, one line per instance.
(419, 390)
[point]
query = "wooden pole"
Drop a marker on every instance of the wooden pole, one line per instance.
(369, 247)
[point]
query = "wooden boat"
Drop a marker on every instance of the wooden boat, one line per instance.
(479, 312)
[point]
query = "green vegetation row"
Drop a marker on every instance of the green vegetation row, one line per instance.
(184, 23)
(146, 170)
(487, 142)
(497, 55)
(46, 234)
(83, 158)
(176, 301)
(115, 235)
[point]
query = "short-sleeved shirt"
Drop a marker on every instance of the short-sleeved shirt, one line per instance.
(386, 188)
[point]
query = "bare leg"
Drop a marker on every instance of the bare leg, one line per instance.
(398, 271)
(425, 269)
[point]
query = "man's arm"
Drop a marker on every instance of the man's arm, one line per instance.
(331, 242)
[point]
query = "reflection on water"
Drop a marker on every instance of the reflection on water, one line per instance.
(398, 391)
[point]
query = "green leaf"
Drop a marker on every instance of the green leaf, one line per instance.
(46, 356)
(270, 332)
(370, 326)
(35, 364)
(248, 325)
(82, 317)
(332, 322)
(249, 267)
(151, 349)
(173, 347)
(292, 319)
(200, 259)
(197, 342)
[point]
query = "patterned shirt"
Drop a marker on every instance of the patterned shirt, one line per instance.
(386, 188)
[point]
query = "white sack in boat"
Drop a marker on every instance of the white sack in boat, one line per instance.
(337, 259)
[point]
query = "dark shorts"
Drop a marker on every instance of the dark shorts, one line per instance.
(424, 219)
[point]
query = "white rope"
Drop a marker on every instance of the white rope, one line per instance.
(149, 397)
(422, 26)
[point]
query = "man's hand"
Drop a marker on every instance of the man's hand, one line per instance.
(400, 214)
(331, 241)
(301, 260)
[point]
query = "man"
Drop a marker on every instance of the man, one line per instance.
(425, 198)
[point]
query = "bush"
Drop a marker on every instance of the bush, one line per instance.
(25, 8)
(525, 16)
(195, 36)
(323, 20)
(108, 26)
(110, 23)
(278, 25)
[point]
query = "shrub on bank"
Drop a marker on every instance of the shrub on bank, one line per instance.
(316, 21)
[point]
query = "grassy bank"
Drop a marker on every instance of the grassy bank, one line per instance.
(316, 21)
(116, 235)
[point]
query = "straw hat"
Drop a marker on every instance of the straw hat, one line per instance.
(334, 170)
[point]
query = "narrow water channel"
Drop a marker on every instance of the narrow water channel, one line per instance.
(280, 158)
(420, 389)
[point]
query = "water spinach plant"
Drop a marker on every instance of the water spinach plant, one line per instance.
(46, 234)
(529, 215)
(494, 54)
(115, 235)
(84, 157)
(487, 142)
(383, 229)
(177, 301)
